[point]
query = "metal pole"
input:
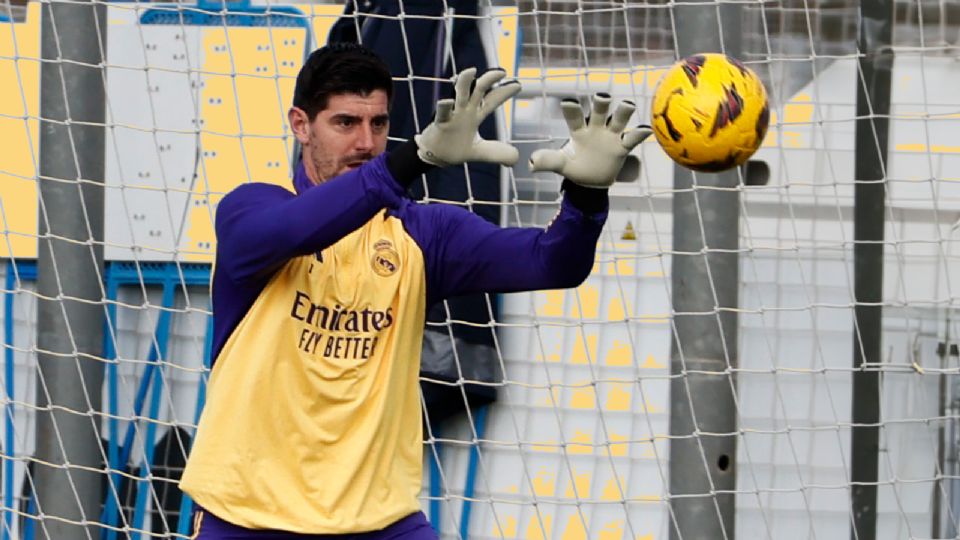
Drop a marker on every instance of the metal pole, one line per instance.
(951, 467)
(872, 129)
(940, 519)
(70, 311)
(705, 283)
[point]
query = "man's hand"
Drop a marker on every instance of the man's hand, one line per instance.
(452, 138)
(597, 148)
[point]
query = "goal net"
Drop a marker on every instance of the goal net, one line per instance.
(572, 437)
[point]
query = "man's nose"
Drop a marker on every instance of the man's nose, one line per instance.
(365, 137)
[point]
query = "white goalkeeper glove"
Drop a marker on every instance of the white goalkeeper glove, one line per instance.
(452, 137)
(597, 148)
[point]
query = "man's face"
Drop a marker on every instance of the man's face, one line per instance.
(351, 130)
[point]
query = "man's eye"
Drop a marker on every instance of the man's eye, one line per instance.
(345, 122)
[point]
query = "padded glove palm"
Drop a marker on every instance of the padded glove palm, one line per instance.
(452, 137)
(597, 148)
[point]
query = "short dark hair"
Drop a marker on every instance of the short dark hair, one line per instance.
(341, 68)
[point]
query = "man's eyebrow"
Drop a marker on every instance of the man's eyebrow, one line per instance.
(357, 118)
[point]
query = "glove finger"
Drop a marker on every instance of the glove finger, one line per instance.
(484, 83)
(462, 86)
(496, 152)
(601, 104)
(630, 139)
(498, 96)
(621, 115)
(572, 113)
(548, 160)
(444, 111)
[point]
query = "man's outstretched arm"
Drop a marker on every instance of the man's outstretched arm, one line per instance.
(469, 255)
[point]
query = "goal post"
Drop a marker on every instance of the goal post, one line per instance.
(69, 342)
(705, 273)
(873, 84)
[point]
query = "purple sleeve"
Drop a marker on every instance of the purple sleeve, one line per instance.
(261, 226)
(466, 254)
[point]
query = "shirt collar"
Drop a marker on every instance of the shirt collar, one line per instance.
(300, 179)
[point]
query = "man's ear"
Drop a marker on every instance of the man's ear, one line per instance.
(299, 124)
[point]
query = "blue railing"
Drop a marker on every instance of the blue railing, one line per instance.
(225, 14)
(15, 273)
(169, 276)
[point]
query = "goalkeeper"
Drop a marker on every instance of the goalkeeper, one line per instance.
(312, 423)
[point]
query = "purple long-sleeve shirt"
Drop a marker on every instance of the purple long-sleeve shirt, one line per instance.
(259, 227)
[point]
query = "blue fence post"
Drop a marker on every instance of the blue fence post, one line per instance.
(114, 467)
(160, 346)
(22, 271)
(8, 374)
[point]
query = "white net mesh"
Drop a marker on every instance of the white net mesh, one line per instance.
(577, 444)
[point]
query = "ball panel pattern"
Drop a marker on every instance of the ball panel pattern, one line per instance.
(710, 112)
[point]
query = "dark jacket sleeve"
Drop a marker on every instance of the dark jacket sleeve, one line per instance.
(466, 254)
(261, 226)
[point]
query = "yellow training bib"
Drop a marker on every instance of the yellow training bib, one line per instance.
(313, 420)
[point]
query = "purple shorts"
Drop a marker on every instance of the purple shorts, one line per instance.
(413, 527)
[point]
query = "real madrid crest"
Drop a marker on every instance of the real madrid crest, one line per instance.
(386, 260)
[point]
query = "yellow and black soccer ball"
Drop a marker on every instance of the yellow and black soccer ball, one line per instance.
(710, 112)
